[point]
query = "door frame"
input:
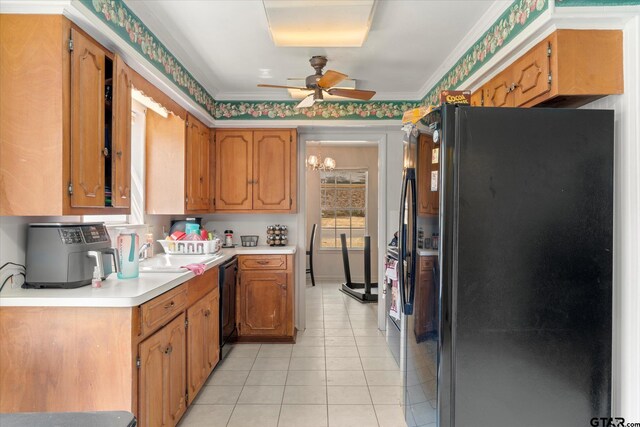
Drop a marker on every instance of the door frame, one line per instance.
(349, 137)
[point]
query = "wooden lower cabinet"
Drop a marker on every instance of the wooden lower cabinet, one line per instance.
(162, 379)
(151, 360)
(426, 318)
(203, 341)
(266, 297)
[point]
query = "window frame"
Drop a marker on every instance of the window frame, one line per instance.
(365, 209)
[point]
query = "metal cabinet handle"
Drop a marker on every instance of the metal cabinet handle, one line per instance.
(105, 151)
(262, 262)
(207, 313)
(119, 153)
(168, 350)
(283, 286)
(168, 306)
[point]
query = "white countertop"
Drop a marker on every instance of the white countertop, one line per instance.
(125, 292)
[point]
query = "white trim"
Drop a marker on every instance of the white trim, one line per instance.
(307, 124)
(41, 7)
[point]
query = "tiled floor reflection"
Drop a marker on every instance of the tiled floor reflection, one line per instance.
(339, 373)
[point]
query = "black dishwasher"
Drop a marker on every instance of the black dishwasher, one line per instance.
(227, 285)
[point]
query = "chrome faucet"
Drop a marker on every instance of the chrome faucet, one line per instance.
(142, 252)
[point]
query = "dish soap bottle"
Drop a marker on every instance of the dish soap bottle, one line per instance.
(128, 242)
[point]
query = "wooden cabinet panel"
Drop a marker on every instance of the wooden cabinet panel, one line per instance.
(87, 122)
(498, 90)
(203, 341)
(477, 98)
(197, 168)
(162, 377)
(428, 199)
(272, 170)
(263, 262)
(234, 171)
(425, 307)
(531, 74)
(157, 311)
(263, 297)
(121, 156)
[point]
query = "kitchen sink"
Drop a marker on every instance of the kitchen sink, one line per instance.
(172, 263)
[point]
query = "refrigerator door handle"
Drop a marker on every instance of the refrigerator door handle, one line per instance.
(411, 276)
(402, 241)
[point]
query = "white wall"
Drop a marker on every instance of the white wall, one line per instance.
(327, 263)
(250, 224)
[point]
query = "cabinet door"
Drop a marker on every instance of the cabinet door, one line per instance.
(203, 341)
(531, 74)
(234, 171)
(263, 303)
(87, 122)
(476, 98)
(272, 170)
(425, 315)
(498, 91)
(162, 376)
(121, 156)
(428, 179)
(197, 174)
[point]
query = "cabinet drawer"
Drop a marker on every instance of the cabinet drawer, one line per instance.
(263, 262)
(199, 286)
(161, 309)
(426, 263)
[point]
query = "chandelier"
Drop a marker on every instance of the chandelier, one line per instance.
(314, 163)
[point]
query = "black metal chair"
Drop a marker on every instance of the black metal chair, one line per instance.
(363, 292)
(310, 253)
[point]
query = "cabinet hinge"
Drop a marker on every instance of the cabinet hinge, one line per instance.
(138, 362)
(70, 45)
(70, 188)
(290, 201)
(549, 50)
(186, 397)
(186, 323)
(290, 138)
(549, 78)
(186, 123)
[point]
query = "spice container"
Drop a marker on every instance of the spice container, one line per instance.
(277, 235)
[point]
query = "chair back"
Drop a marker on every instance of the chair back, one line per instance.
(313, 237)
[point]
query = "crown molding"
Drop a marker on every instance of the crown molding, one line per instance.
(42, 7)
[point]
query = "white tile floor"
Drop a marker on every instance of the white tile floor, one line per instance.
(339, 373)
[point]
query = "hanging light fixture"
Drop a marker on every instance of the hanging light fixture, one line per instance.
(317, 163)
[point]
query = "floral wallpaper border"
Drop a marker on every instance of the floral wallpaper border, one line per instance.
(581, 3)
(130, 28)
(342, 110)
(512, 21)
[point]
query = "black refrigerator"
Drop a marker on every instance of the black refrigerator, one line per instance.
(523, 280)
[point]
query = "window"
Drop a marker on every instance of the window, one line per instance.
(343, 205)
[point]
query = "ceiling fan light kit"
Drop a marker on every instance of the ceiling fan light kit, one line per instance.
(320, 83)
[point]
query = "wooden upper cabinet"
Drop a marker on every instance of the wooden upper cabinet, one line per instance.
(477, 98)
(497, 93)
(121, 151)
(569, 68)
(272, 170)
(428, 164)
(87, 122)
(197, 168)
(177, 165)
(64, 109)
(234, 170)
(256, 170)
(531, 74)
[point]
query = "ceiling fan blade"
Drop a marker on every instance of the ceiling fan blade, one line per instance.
(284, 87)
(307, 102)
(364, 95)
(331, 78)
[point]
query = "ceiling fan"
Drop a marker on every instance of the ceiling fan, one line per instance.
(319, 82)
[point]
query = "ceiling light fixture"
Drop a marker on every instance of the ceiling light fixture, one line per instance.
(316, 23)
(315, 162)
